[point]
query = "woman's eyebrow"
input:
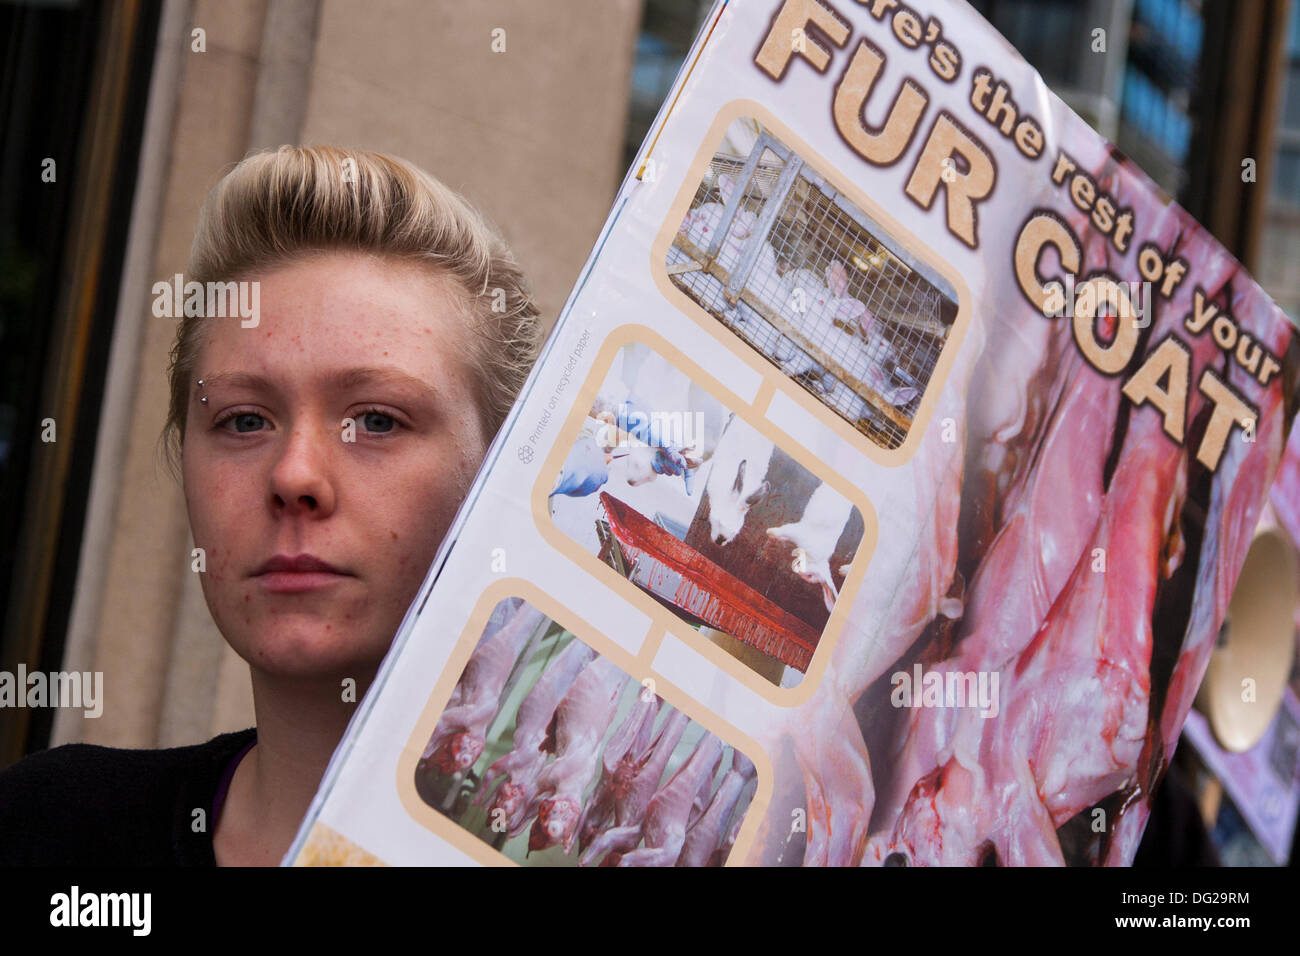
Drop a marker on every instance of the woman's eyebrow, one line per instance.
(235, 379)
(370, 375)
(341, 379)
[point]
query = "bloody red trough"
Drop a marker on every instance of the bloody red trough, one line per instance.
(677, 573)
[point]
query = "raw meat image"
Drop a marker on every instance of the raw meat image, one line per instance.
(693, 505)
(1067, 546)
(805, 277)
(556, 757)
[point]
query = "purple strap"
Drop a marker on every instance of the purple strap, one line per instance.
(227, 775)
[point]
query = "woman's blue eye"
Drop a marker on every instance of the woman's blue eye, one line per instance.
(247, 422)
(378, 422)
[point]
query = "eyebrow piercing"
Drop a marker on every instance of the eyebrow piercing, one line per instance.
(203, 399)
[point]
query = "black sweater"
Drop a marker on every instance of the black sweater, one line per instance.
(81, 805)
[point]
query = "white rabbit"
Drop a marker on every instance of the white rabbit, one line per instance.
(814, 537)
(848, 313)
(743, 222)
(854, 317)
(700, 227)
(805, 300)
(763, 275)
(701, 223)
(639, 464)
(765, 279)
(804, 292)
(737, 479)
(817, 320)
(764, 272)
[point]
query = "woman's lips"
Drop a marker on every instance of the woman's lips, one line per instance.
(295, 582)
(283, 574)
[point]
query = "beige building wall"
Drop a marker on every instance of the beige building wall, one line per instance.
(532, 135)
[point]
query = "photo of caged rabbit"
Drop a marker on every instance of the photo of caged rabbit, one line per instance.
(775, 253)
(696, 507)
(554, 756)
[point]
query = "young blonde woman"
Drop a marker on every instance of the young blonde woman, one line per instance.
(324, 452)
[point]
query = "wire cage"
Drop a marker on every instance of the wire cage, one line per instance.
(806, 278)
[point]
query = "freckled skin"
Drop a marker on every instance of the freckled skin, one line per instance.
(285, 482)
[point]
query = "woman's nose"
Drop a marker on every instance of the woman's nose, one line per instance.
(301, 481)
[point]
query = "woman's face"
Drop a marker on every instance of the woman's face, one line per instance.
(339, 438)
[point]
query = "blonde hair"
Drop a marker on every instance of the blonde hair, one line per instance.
(279, 205)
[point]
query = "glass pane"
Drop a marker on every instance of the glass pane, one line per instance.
(1286, 178)
(667, 29)
(1291, 97)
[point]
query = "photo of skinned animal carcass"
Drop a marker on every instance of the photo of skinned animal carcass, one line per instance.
(556, 757)
(1071, 555)
(805, 277)
(693, 505)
